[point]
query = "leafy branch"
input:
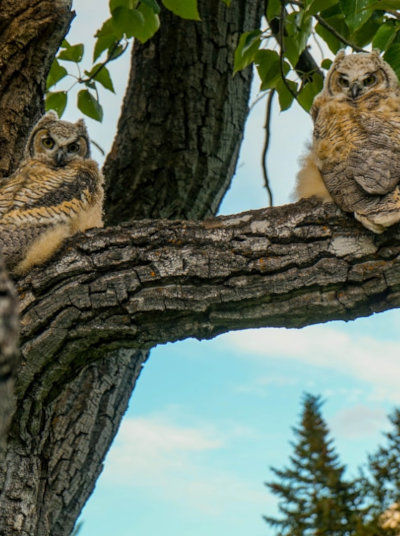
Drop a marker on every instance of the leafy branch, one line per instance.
(129, 19)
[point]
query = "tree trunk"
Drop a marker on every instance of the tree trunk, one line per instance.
(30, 34)
(182, 119)
(153, 282)
(65, 423)
(8, 352)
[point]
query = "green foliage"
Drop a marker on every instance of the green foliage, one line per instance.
(382, 487)
(89, 105)
(56, 101)
(281, 52)
(314, 496)
(187, 9)
(129, 19)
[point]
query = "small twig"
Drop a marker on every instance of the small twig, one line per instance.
(98, 147)
(337, 34)
(267, 127)
(259, 97)
(330, 28)
(104, 63)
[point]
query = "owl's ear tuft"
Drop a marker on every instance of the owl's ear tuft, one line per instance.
(51, 114)
(376, 52)
(340, 55)
(81, 123)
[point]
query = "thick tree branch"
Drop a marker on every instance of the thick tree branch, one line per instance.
(151, 282)
(117, 292)
(183, 116)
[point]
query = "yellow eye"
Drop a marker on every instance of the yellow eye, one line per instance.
(48, 142)
(343, 81)
(73, 147)
(371, 79)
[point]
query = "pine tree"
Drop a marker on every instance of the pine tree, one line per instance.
(381, 485)
(315, 499)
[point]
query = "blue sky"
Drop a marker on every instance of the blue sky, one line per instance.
(208, 418)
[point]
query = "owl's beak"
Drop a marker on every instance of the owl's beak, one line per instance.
(60, 157)
(355, 90)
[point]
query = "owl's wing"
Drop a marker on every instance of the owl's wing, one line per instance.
(40, 195)
(375, 160)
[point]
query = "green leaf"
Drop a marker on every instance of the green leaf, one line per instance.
(273, 9)
(285, 96)
(292, 49)
(268, 66)
(298, 27)
(153, 4)
(103, 76)
(89, 105)
(129, 4)
(333, 42)
(356, 12)
(326, 64)
(364, 35)
(107, 36)
(316, 6)
(227, 2)
(384, 5)
(309, 91)
(56, 101)
(72, 53)
(107, 29)
(187, 9)
(151, 23)
(102, 44)
(249, 43)
(57, 72)
(392, 56)
(385, 35)
(128, 21)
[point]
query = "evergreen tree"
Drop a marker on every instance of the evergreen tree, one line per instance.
(381, 485)
(315, 499)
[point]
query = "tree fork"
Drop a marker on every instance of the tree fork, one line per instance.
(183, 117)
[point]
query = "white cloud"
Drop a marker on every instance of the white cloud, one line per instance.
(358, 422)
(174, 463)
(363, 357)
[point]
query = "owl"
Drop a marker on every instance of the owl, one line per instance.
(355, 154)
(56, 192)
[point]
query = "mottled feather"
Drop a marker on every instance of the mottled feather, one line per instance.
(356, 141)
(45, 201)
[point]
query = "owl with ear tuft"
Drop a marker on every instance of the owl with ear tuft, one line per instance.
(355, 154)
(56, 192)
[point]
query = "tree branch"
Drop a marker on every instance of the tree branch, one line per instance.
(159, 281)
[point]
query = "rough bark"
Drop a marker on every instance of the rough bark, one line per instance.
(155, 281)
(215, 104)
(151, 282)
(8, 351)
(182, 119)
(30, 33)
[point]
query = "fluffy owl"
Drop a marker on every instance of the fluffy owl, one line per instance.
(355, 154)
(56, 192)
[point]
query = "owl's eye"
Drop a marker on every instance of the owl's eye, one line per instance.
(48, 142)
(73, 147)
(371, 79)
(343, 81)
